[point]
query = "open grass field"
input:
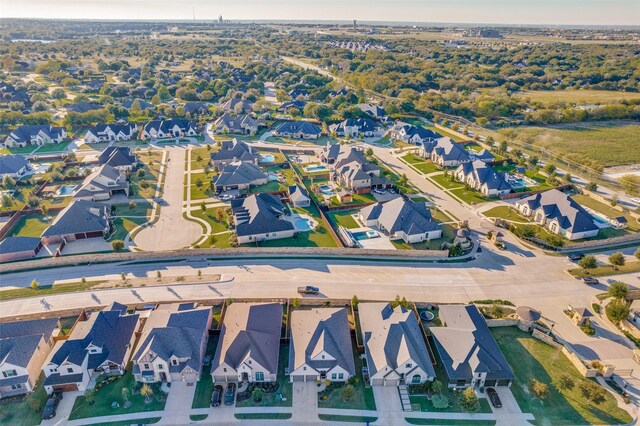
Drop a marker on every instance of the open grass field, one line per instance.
(579, 97)
(605, 143)
(530, 358)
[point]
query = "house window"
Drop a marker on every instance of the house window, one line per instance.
(259, 376)
(249, 362)
(174, 361)
(9, 373)
(333, 376)
(341, 376)
(16, 386)
(416, 379)
(304, 368)
(409, 365)
(322, 356)
(69, 370)
(146, 366)
(224, 369)
(160, 366)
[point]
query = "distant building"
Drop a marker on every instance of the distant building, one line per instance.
(298, 130)
(14, 166)
(111, 132)
(242, 124)
(232, 152)
(35, 135)
(408, 133)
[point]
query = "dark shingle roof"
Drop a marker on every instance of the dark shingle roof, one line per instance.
(19, 340)
(18, 244)
(401, 215)
(234, 151)
(79, 216)
(303, 127)
(239, 173)
(558, 205)
(259, 214)
(117, 156)
(11, 164)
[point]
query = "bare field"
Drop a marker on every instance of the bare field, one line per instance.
(580, 97)
(609, 144)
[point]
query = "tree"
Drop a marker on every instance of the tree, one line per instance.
(469, 400)
(8, 182)
(496, 311)
(348, 392)
(58, 93)
(618, 290)
(539, 389)
(550, 168)
(617, 259)
(44, 209)
(592, 392)
(440, 402)
(588, 262)
(566, 382)
(147, 392)
(6, 201)
(617, 311)
(591, 186)
(630, 184)
(614, 201)
(436, 386)
(125, 394)
(35, 285)
(117, 245)
(295, 302)
(355, 301)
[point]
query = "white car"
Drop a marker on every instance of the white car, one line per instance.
(636, 200)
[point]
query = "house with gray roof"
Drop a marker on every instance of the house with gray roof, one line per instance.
(294, 104)
(232, 152)
(111, 132)
(14, 166)
(35, 134)
(560, 214)
(373, 111)
(260, 217)
(119, 157)
(298, 130)
(197, 108)
(172, 344)
(401, 219)
(100, 345)
(19, 248)
(237, 105)
(467, 350)
(82, 107)
(103, 183)
(444, 152)
(241, 176)
(24, 346)
(482, 155)
(483, 178)
(172, 128)
(394, 346)
(79, 220)
(360, 127)
(320, 346)
(299, 196)
(408, 133)
(249, 345)
(353, 171)
(242, 124)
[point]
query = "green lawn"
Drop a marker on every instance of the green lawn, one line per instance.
(319, 237)
(530, 358)
(427, 167)
(606, 210)
(357, 200)
(204, 387)
(124, 226)
(450, 422)
(606, 270)
(446, 182)
(20, 293)
(22, 150)
(206, 189)
(151, 174)
(351, 419)
(263, 416)
(215, 216)
(19, 410)
(201, 156)
(53, 147)
(505, 212)
(470, 196)
(30, 225)
(141, 209)
(149, 421)
(112, 392)
(343, 218)
(285, 388)
(412, 158)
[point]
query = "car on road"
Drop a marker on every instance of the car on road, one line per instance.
(494, 398)
(590, 281)
(216, 396)
(574, 257)
(230, 394)
(49, 410)
(636, 200)
(308, 290)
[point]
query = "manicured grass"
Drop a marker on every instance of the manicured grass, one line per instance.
(584, 97)
(353, 419)
(18, 410)
(151, 173)
(263, 416)
(204, 387)
(506, 212)
(141, 209)
(204, 154)
(149, 421)
(606, 270)
(470, 196)
(319, 237)
(357, 200)
(31, 225)
(530, 358)
(606, 210)
(112, 392)
(198, 417)
(412, 158)
(20, 293)
(211, 216)
(343, 218)
(124, 226)
(451, 422)
(446, 182)
(605, 143)
(22, 150)
(285, 388)
(53, 147)
(427, 167)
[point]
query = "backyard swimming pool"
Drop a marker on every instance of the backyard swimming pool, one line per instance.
(65, 190)
(326, 190)
(302, 224)
(315, 168)
(365, 235)
(268, 158)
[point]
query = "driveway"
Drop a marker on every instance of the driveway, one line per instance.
(388, 405)
(171, 231)
(305, 403)
(178, 406)
(64, 409)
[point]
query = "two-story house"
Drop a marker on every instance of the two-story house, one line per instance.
(173, 128)
(242, 124)
(232, 152)
(34, 134)
(102, 184)
(483, 178)
(353, 171)
(444, 152)
(111, 132)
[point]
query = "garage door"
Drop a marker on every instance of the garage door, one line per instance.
(504, 382)
(377, 382)
(489, 382)
(67, 388)
(392, 382)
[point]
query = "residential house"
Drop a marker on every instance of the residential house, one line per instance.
(298, 130)
(408, 133)
(483, 155)
(238, 106)
(361, 127)
(467, 350)
(100, 345)
(242, 124)
(241, 176)
(79, 220)
(119, 157)
(445, 152)
(24, 346)
(172, 344)
(35, 134)
(144, 105)
(82, 107)
(330, 152)
(19, 248)
(249, 344)
(232, 152)
(394, 347)
(374, 111)
(111, 132)
(320, 346)
(483, 178)
(294, 104)
(196, 108)
(14, 166)
(299, 94)
(299, 196)
(559, 213)
(402, 219)
(102, 184)
(173, 128)
(353, 171)
(260, 217)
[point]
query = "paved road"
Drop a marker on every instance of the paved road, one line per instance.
(172, 230)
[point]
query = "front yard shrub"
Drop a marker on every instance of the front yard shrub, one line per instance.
(539, 389)
(469, 400)
(440, 401)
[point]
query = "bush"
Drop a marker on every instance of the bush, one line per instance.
(437, 386)
(348, 392)
(566, 382)
(469, 400)
(538, 389)
(440, 401)
(617, 259)
(618, 290)
(117, 245)
(588, 262)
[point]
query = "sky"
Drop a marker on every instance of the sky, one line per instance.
(550, 12)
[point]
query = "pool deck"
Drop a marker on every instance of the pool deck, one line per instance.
(379, 243)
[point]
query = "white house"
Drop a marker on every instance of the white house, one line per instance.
(483, 178)
(35, 135)
(102, 184)
(173, 128)
(14, 166)
(111, 132)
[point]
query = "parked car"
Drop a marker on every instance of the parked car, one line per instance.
(308, 290)
(216, 397)
(230, 394)
(494, 398)
(379, 191)
(636, 200)
(51, 406)
(590, 281)
(574, 257)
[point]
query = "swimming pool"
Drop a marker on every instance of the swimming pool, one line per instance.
(65, 190)
(272, 176)
(268, 158)
(365, 235)
(315, 168)
(326, 190)
(302, 224)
